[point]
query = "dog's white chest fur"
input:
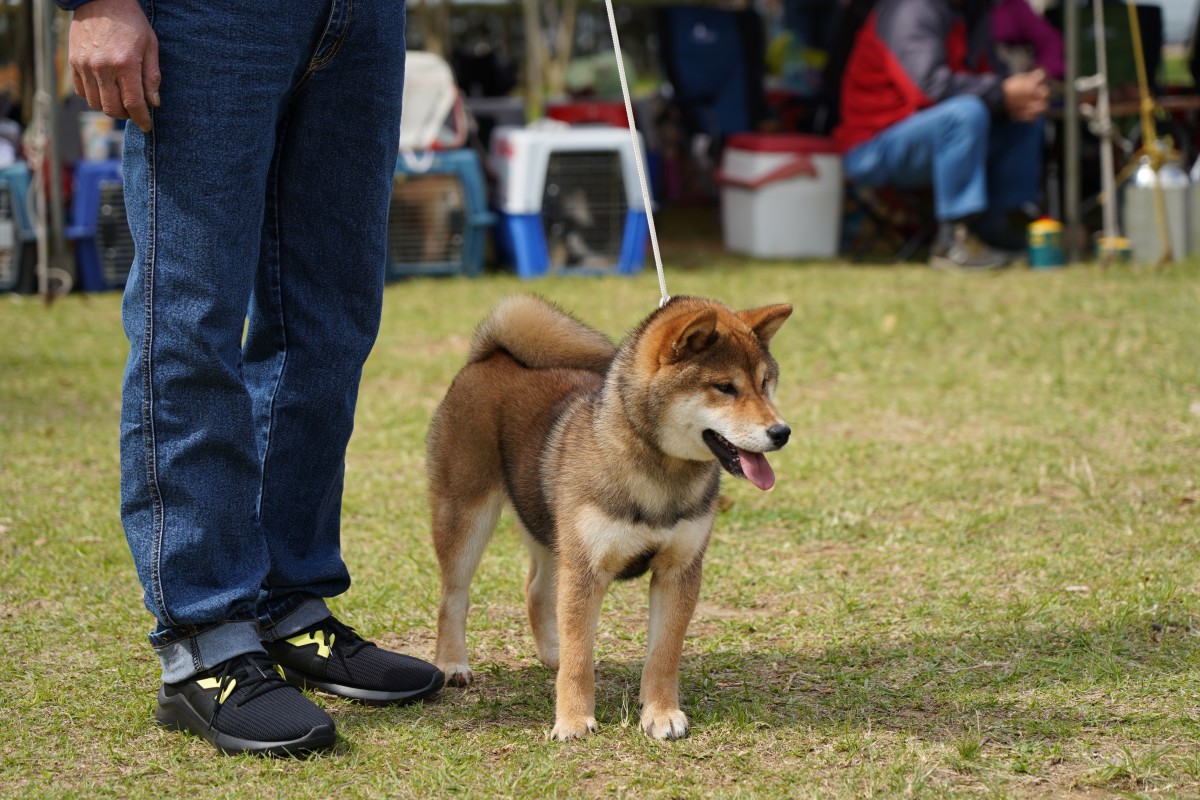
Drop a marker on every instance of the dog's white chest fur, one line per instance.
(612, 544)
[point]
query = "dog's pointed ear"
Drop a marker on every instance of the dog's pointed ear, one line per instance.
(765, 321)
(691, 334)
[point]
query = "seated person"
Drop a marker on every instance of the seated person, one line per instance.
(921, 106)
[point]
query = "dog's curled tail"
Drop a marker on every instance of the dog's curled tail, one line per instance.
(540, 335)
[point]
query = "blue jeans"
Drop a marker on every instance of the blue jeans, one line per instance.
(973, 162)
(258, 204)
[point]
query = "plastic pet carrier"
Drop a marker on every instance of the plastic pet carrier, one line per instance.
(103, 244)
(438, 216)
(438, 221)
(568, 200)
(17, 238)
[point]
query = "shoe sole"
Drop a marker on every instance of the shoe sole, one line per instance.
(943, 264)
(177, 714)
(374, 697)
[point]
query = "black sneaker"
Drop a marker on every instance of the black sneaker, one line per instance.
(243, 705)
(331, 657)
(1004, 232)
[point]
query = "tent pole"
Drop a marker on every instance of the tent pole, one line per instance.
(534, 79)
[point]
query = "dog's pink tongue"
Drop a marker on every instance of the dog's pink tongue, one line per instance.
(757, 470)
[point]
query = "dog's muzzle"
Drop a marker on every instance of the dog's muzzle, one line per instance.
(740, 463)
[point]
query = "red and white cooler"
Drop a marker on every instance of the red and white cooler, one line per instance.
(781, 195)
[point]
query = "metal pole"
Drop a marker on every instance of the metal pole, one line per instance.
(1071, 129)
(58, 243)
(51, 244)
(1103, 124)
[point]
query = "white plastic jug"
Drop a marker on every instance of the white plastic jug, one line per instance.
(1139, 219)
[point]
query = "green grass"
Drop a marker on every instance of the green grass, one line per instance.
(976, 577)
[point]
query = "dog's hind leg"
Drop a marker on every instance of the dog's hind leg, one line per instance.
(460, 535)
(540, 600)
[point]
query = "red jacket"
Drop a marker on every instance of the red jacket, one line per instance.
(909, 55)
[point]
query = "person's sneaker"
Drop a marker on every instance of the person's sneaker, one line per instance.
(244, 705)
(1003, 231)
(331, 657)
(1007, 233)
(958, 250)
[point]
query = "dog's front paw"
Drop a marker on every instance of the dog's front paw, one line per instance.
(569, 728)
(668, 723)
(456, 674)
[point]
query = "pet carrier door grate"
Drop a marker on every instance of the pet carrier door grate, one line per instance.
(427, 223)
(103, 244)
(438, 219)
(112, 234)
(584, 209)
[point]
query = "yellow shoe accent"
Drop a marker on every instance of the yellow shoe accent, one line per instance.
(323, 646)
(213, 683)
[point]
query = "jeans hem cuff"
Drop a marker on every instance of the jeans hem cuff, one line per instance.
(183, 658)
(309, 612)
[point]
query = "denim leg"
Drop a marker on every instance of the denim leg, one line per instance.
(1015, 164)
(945, 146)
(315, 311)
(198, 191)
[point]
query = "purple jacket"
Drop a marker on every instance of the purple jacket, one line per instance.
(1014, 22)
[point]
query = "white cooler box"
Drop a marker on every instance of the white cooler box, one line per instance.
(781, 195)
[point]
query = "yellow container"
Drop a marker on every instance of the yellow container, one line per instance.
(1114, 249)
(1046, 244)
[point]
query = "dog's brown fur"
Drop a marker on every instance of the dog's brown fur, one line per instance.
(601, 452)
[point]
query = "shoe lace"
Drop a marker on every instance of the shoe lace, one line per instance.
(349, 642)
(250, 670)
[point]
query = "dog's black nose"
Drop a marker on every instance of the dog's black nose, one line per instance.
(779, 434)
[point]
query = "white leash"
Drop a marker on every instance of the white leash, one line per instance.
(637, 154)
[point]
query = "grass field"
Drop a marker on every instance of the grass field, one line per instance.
(977, 576)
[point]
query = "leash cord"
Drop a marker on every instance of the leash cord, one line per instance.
(637, 154)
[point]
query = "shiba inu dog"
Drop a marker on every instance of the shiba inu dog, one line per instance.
(611, 458)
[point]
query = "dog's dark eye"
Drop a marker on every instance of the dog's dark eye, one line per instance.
(726, 388)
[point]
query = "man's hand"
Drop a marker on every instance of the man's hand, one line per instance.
(1026, 95)
(114, 59)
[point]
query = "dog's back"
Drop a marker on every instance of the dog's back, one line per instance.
(528, 358)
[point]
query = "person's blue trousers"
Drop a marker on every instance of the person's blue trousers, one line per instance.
(973, 162)
(258, 205)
